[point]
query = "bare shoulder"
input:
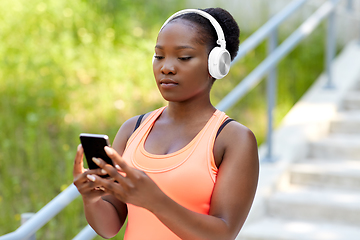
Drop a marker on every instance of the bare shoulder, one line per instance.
(240, 145)
(239, 157)
(236, 134)
(236, 143)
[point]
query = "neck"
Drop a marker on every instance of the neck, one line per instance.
(189, 111)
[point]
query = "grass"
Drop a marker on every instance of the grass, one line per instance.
(85, 66)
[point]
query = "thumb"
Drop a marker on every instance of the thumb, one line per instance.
(78, 162)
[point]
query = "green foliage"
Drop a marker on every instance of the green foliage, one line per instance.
(85, 66)
(67, 67)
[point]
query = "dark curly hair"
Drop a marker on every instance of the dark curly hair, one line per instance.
(207, 33)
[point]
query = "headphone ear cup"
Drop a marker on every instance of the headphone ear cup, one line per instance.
(219, 62)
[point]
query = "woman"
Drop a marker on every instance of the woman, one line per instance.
(186, 172)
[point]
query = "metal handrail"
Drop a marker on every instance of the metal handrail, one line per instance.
(44, 215)
(269, 64)
(262, 33)
(86, 233)
(254, 78)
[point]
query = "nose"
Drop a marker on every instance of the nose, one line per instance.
(168, 67)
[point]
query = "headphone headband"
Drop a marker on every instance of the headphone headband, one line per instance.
(221, 38)
(219, 58)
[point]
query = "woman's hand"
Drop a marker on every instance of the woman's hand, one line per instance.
(132, 185)
(90, 191)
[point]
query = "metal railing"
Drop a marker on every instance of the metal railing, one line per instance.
(267, 67)
(29, 228)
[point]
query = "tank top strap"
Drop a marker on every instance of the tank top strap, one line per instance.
(145, 124)
(219, 118)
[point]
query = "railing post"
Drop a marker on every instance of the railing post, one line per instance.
(271, 96)
(349, 5)
(358, 26)
(330, 48)
(24, 218)
(351, 9)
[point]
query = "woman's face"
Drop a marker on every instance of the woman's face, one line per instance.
(181, 63)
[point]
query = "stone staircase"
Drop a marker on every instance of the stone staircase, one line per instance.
(318, 198)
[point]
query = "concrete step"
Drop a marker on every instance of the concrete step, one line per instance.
(346, 122)
(356, 86)
(336, 146)
(319, 173)
(280, 229)
(352, 101)
(298, 203)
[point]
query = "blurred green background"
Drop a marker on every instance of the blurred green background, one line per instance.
(77, 66)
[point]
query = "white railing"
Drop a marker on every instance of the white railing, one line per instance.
(267, 67)
(29, 228)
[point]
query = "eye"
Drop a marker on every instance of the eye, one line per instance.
(157, 57)
(184, 58)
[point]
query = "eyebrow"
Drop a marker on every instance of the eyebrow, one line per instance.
(177, 48)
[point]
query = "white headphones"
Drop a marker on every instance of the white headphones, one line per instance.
(219, 59)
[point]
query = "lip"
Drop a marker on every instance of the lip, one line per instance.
(168, 81)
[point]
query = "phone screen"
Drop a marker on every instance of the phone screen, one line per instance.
(93, 145)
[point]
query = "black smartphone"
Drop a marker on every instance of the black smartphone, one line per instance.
(93, 145)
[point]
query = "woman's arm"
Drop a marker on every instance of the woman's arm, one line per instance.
(231, 200)
(97, 211)
(105, 213)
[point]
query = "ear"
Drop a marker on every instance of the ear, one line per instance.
(211, 77)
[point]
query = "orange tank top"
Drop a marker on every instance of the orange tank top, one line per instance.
(187, 176)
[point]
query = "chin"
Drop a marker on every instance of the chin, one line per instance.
(168, 98)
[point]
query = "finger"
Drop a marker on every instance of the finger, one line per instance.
(82, 178)
(91, 177)
(95, 180)
(107, 186)
(89, 186)
(78, 162)
(97, 171)
(119, 162)
(122, 181)
(100, 189)
(108, 169)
